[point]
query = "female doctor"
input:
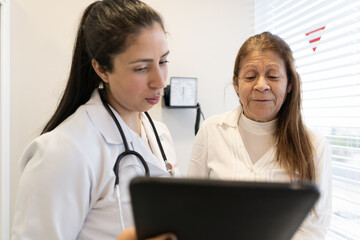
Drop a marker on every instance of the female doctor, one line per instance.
(119, 67)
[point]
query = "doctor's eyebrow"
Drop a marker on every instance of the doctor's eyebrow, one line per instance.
(148, 59)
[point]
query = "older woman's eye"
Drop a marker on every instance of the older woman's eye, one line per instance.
(273, 76)
(249, 76)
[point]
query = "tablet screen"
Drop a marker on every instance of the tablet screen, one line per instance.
(216, 209)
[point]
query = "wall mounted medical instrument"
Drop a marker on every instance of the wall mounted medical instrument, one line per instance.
(182, 93)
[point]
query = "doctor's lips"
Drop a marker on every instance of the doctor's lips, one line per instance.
(153, 100)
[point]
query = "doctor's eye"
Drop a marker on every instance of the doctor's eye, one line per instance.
(164, 62)
(142, 69)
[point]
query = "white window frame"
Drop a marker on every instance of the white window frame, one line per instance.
(5, 119)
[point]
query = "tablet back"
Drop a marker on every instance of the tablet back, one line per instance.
(215, 209)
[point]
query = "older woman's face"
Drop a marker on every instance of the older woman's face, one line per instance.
(262, 85)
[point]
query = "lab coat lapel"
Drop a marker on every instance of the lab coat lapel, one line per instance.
(152, 139)
(103, 121)
(107, 127)
(157, 160)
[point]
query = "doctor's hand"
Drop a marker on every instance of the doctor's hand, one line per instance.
(130, 234)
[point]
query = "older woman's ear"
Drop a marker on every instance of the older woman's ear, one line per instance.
(289, 88)
(236, 84)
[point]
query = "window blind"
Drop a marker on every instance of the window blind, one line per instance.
(324, 36)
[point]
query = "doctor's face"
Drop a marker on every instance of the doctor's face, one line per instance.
(138, 77)
(262, 85)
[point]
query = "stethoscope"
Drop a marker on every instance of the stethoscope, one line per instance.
(127, 152)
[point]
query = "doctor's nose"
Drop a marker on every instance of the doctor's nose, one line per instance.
(158, 78)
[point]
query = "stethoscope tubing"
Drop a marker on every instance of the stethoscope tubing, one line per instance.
(126, 146)
(118, 199)
(128, 152)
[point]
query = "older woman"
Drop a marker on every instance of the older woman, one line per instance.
(265, 139)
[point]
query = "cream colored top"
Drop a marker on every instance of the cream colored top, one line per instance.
(219, 152)
(257, 136)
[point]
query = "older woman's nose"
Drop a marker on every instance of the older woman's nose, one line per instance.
(261, 84)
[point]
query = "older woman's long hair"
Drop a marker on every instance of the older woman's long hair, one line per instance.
(294, 149)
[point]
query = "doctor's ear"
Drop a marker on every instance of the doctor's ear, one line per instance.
(100, 71)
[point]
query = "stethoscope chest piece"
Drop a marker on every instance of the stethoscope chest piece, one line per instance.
(169, 168)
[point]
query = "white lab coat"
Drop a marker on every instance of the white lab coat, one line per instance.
(220, 153)
(66, 189)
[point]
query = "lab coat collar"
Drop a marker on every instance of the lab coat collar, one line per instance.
(103, 121)
(107, 127)
(231, 118)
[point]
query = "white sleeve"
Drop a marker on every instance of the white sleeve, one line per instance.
(199, 154)
(53, 195)
(316, 224)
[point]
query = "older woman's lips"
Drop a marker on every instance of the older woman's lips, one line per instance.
(261, 100)
(153, 100)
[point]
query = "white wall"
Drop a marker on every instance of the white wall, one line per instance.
(204, 37)
(4, 118)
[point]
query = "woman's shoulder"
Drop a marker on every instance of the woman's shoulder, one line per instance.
(322, 148)
(78, 128)
(67, 142)
(228, 118)
(316, 137)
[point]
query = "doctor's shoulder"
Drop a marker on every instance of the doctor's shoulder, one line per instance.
(163, 131)
(70, 141)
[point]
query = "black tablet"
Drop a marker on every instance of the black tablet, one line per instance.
(215, 209)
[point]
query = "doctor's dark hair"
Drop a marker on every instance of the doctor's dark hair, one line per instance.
(294, 149)
(107, 28)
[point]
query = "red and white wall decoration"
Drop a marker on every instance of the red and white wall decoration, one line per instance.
(314, 36)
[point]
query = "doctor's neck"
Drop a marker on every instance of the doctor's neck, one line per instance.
(133, 121)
